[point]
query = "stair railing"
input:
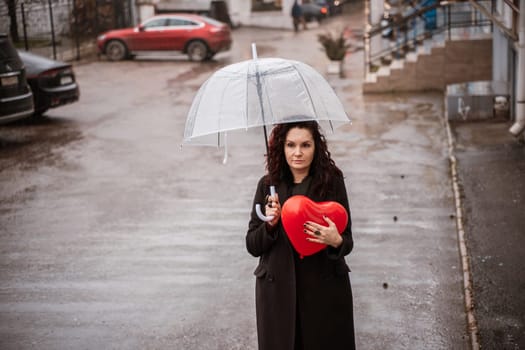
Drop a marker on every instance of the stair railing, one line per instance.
(405, 33)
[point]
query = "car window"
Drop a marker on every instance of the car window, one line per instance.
(212, 21)
(154, 23)
(9, 59)
(7, 51)
(179, 22)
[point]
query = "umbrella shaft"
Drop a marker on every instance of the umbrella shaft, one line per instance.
(266, 140)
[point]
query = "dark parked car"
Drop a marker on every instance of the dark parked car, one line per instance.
(335, 7)
(53, 82)
(16, 99)
(314, 12)
(197, 36)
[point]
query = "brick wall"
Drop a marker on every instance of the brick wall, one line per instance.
(458, 61)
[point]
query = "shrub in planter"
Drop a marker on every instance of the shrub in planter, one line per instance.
(334, 45)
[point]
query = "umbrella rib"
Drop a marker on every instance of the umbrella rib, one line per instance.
(198, 104)
(307, 90)
(310, 96)
(219, 112)
(259, 93)
(247, 104)
(270, 107)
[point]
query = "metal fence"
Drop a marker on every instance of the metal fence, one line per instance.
(62, 29)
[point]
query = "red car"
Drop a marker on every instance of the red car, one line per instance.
(197, 36)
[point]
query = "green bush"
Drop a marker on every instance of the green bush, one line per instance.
(334, 45)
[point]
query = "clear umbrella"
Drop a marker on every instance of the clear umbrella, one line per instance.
(260, 92)
(257, 93)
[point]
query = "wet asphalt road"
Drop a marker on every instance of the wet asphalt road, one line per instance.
(114, 237)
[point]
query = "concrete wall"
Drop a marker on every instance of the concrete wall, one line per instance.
(377, 9)
(240, 11)
(457, 62)
(145, 11)
(500, 54)
(38, 20)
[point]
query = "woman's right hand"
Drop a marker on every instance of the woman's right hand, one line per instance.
(273, 208)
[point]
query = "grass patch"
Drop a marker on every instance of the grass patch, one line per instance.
(35, 43)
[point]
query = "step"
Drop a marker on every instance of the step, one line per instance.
(400, 73)
(383, 71)
(397, 64)
(412, 57)
(371, 78)
(420, 69)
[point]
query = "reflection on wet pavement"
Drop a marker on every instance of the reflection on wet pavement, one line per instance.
(115, 237)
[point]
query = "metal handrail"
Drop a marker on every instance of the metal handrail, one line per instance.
(409, 33)
(402, 21)
(513, 6)
(512, 32)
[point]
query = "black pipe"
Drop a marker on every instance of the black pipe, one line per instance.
(52, 30)
(77, 39)
(26, 44)
(96, 18)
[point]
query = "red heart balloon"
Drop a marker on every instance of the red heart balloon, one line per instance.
(299, 209)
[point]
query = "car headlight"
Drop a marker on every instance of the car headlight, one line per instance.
(101, 37)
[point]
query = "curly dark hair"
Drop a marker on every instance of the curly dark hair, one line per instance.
(323, 168)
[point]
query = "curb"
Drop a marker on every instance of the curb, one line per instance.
(472, 324)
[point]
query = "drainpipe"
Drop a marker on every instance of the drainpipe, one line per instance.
(519, 125)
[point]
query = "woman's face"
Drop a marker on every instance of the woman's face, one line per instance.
(299, 148)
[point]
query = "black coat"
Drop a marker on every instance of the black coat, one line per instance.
(297, 11)
(316, 292)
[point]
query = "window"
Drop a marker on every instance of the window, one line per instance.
(267, 5)
(154, 23)
(182, 22)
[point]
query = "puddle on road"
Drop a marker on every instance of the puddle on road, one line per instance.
(194, 72)
(7, 143)
(32, 143)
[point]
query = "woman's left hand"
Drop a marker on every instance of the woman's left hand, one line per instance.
(323, 234)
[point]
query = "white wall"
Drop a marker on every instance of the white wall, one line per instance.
(506, 13)
(145, 11)
(240, 11)
(500, 56)
(377, 7)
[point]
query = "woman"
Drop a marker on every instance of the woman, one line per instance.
(301, 303)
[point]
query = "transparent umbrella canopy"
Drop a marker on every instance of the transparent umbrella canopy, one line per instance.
(258, 93)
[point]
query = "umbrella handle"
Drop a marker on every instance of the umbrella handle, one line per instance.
(261, 215)
(258, 210)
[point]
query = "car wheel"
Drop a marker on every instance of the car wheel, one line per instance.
(210, 55)
(197, 51)
(116, 50)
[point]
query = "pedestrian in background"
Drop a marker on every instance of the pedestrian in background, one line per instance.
(297, 16)
(301, 302)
